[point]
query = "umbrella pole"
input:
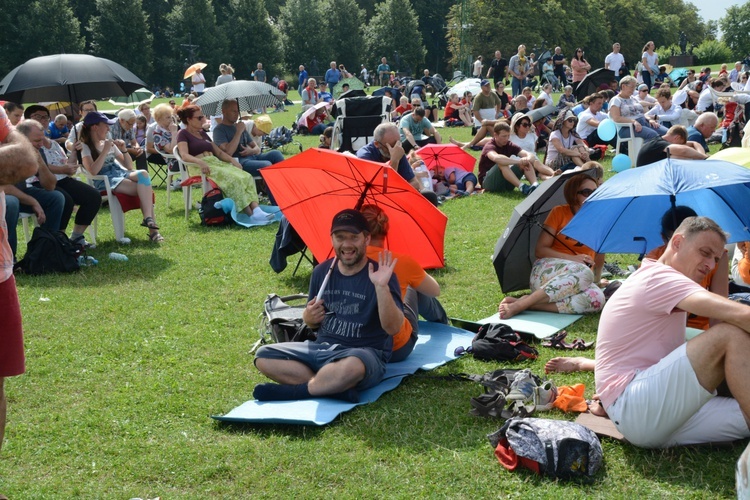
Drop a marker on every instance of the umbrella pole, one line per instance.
(325, 281)
(554, 236)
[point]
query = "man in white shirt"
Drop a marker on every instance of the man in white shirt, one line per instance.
(614, 60)
(477, 73)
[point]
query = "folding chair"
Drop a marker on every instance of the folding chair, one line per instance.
(356, 120)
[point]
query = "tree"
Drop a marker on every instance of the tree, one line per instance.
(22, 23)
(251, 38)
(344, 26)
(301, 43)
(157, 11)
(735, 26)
(432, 24)
(193, 23)
(83, 11)
(118, 32)
(394, 33)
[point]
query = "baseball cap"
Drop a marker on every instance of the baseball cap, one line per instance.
(94, 117)
(643, 86)
(484, 82)
(349, 220)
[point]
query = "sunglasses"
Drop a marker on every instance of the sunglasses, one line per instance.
(571, 120)
(200, 117)
(524, 124)
(586, 192)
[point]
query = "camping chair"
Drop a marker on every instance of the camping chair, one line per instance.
(186, 187)
(119, 203)
(356, 119)
(634, 143)
(159, 169)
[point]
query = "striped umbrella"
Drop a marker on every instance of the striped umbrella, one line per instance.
(249, 95)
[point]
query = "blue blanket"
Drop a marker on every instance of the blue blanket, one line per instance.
(434, 348)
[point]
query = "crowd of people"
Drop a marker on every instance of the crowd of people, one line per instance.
(366, 314)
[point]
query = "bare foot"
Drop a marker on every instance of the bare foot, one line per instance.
(596, 408)
(569, 365)
(510, 306)
(457, 142)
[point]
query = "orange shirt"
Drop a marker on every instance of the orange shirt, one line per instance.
(557, 219)
(693, 320)
(408, 273)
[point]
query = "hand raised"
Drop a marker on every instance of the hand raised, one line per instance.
(386, 264)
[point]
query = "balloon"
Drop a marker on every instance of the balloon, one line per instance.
(606, 129)
(620, 162)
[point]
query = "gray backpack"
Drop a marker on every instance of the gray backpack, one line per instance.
(556, 448)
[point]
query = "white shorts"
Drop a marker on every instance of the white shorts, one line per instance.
(665, 405)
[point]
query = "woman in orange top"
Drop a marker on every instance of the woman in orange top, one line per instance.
(565, 277)
(414, 281)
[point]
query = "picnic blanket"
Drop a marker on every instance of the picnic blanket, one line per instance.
(434, 348)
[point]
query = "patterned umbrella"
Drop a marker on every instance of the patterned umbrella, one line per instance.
(354, 84)
(249, 95)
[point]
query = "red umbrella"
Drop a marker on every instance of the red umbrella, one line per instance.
(446, 155)
(311, 187)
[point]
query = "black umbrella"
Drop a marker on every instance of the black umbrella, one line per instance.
(593, 81)
(515, 250)
(68, 77)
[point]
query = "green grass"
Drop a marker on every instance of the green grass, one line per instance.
(126, 361)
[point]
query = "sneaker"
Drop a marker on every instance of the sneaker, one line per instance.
(522, 387)
(526, 189)
(613, 268)
(176, 185)
(544, 396)
(81, 241)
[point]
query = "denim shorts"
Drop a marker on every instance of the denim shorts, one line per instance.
(316, 356)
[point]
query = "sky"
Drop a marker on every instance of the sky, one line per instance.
(713, 9)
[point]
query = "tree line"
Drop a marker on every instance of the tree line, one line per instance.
(157, 39)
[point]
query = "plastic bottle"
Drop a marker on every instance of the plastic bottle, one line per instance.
(424, 176)
(118, 256)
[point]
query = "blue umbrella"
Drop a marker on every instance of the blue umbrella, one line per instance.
(623, 215)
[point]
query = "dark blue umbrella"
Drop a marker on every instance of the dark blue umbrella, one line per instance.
(623, 215)
(395, 92)
(68, 77)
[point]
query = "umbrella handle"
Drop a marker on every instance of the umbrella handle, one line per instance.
(325, 281)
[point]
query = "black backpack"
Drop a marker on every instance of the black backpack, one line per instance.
(498, 342)
(49, 252)
(210, 215)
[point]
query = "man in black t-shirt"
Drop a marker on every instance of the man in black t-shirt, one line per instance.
(673, 144)
(558, 60)
(355, 315)
(498, 68)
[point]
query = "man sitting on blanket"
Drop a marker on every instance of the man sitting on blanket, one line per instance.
(356, 317)
(659, 390)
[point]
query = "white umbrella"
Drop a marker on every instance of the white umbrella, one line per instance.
(249, 95)
(473, 85)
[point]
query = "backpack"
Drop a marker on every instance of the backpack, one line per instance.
(49, 252)
(282, 321)
(558, 449)
(210, 215)
(498, 342)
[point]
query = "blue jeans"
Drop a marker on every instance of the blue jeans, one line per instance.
(646, 78)
(253, 164)
(646, 133)
(12, 207)
(52, 202)
(517, 85)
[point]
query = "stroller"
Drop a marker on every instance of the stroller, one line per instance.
(356, 119)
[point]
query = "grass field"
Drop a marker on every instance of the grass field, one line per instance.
(126, 361)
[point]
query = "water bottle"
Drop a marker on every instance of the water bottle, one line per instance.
(424, 176)
(118, 256)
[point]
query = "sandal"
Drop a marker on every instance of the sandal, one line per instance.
(156, 237)
(556, 341)
(149, 223)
